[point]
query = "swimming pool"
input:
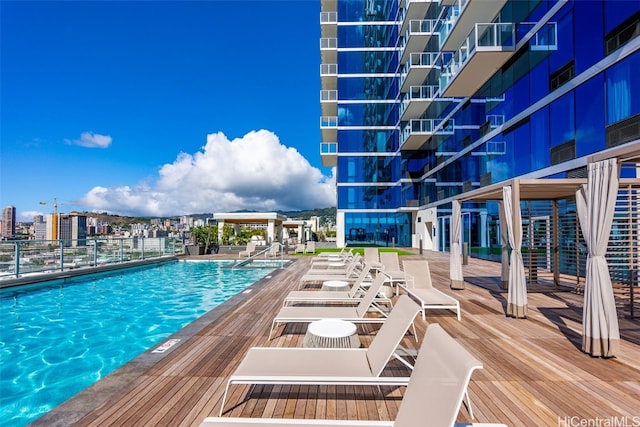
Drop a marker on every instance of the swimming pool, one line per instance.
(58, 338)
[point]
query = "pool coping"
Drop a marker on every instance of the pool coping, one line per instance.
(87, 400)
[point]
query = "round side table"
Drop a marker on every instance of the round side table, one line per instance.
(335, 285)
(331, 333)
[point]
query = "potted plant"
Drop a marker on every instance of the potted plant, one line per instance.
(206, 238)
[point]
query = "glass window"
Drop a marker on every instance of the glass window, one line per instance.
(622, 82)
(369, 169)
(589, 30)
(367, 114)
(617, 11)
(361, 62)
(369, 140)
(366, 88)
(590, 116)
(562, 118)
(367, 10)
(367, 36)
(540, 144)
(371, 197)
(382, 229)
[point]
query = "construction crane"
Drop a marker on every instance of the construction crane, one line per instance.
(55, 205)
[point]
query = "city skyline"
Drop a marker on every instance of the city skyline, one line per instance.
(196, 107)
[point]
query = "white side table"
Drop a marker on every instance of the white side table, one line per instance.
(331, 333)
(335, 285)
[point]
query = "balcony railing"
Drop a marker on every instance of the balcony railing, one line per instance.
(450, 18)
(418, 93)
(328, 43)
(328, 70)
(328, 17)
(328, 95)
(491, 37)
(328, 148)
(329, 121)
(426, 127)
(30, 257)
(418, 60)
(546, 38)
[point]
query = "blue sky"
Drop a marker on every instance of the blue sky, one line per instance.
(161, 108)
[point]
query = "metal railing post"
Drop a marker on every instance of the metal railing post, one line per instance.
(17, 259)
(61, 245)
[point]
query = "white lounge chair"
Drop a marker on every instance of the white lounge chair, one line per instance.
(391, 266)
(249, 250)
(307, 314)
(320, 366)
(372, 258)
(316, 276)
(352, 296)
(419, 285)
(310, 247)
(433, 398)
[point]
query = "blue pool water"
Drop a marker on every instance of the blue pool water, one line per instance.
(57, 339)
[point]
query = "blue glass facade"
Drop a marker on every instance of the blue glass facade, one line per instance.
(559, 94)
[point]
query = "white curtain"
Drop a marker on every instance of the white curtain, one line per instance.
(596, 203)
(455, 264)
(504, 241)
(517, 294)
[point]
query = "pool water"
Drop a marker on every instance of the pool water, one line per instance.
(59, 338)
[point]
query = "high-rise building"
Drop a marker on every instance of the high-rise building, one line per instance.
(73, 229)
(39, 227)
(9, 221)
(423, 101)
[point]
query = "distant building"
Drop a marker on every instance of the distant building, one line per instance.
(9, 221)
(39, 227)
(73, 227)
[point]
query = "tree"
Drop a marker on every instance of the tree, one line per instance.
(207, 236)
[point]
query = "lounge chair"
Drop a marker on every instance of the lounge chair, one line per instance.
(331, 254)
(310, 247)
(419, 286)
(372, 258)
(274, 250)
(433, 398)
(248, 251)
(322, 366)
(306, 314)
(299, 248)
(334, 267)
(392, 268)
(352, 296)
(315, 276)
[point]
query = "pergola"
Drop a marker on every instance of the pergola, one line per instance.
(595, 200)
(272, 220)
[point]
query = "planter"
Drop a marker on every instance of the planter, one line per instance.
(193, 250)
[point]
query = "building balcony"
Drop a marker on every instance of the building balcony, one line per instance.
(329, 76)
(329, 102)
(329, 24)
(329, 128)
(329, 50)
(417, 133)
(329, 153)
(414, 9)
(483, 52)
(491, 148)
(459, 18)
(416, 37)
(416, 101)
(417, 69)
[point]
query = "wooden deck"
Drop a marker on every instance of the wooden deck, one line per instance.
(534, 372)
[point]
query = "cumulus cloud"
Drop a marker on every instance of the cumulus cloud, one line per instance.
(91, 140)
(255, 172)
(27, 216)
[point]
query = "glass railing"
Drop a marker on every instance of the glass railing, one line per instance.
(329, 121)
(427, 127)
(328, 95)
(491, 37)
(448, 21)
(417, 27)
(546, 38)
(328, 69)
(495, 120)
(28, 257)
(328, 148)
(418, 60)
(328, 17)
(417, 93)
(328, 43)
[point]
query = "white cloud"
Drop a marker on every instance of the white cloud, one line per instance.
(27, 216)
(255, 172)
(91, 140)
